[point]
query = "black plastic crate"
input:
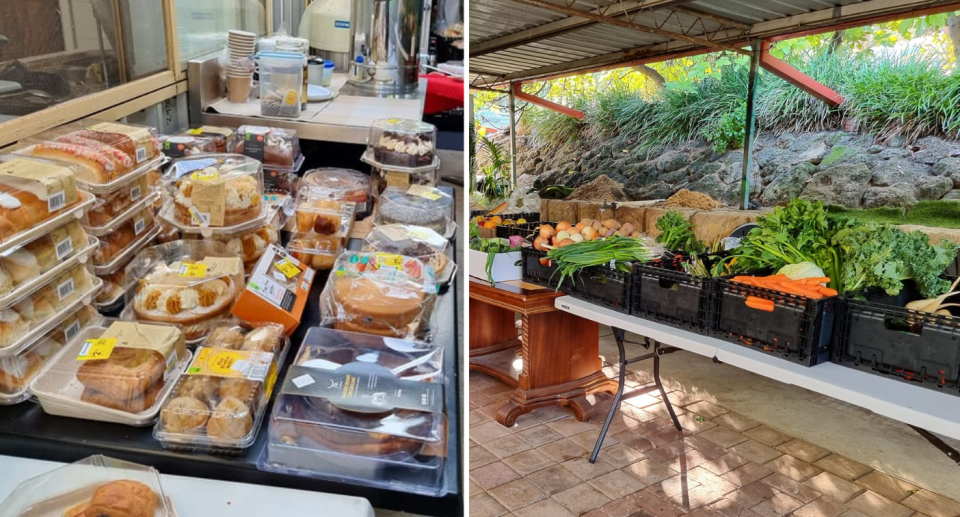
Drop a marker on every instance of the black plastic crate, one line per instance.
(672, 297)
(604, 286)
(527, 230)
(532, 217)
(882, 337)
(799, 329)
(538, 274)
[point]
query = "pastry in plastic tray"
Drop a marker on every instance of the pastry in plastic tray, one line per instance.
(32, 191)
(112, 204)
(272, 146)
(178, 146)
(191, 283)
(250, 244)
(220, 135)
(401, 142)
(216, 190)
(17, 371)
(321, 230)
(378, 293)
(83, 317)
(411, 241)
(395, 436)
(37, 308)
(416, 206)
(337, 184)
(221, 398)
(41, 255)
(168, 233)
(96, 486)
(386, 178)
(113, 284)
(121, 234)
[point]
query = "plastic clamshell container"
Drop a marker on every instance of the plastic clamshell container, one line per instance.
(183, 144)
(379, 293)
(214, 193)
(31, 265)
(128, 387)
(66, 488)
(402, 142)
(272, 146)
(321, 230)
(111, 297)
(78, 256)
(220, 135)
(120, 236)
(192, 283)
(396, 444)
(36, 196)
(281, 84)
(417, 206)
(219, 402)
(35, 314)
(414, 241)
(108, 153)
(249, 244)
(114, 204)
(338, 184)
(17, 371)
(385, 176)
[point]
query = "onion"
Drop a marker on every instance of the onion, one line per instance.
(566, 242)
(539, 242)
(580, 225)
(576, 237)
(627, 228)
(611, 223)
(562, 225)
(573, 230)
(546, 231)
(561, 235)
(589, 233)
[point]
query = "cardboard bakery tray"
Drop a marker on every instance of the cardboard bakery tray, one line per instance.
(368, 158)
(59, 391)
(74, 212)
(197, 439)
(36, 330)
(28, 363)
(127, 213)
(24, 289)
(61, 491)
(166, 214)
(391, 436)
(129, 252)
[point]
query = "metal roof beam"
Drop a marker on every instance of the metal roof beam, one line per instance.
(543, 4)
(559, 108)
(847, 16)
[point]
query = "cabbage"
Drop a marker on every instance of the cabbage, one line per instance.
(801, 270)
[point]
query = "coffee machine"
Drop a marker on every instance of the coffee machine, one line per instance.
(385, 45)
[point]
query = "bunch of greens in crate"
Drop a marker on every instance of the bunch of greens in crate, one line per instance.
(676, 234)
(619, 251)
(492, 247)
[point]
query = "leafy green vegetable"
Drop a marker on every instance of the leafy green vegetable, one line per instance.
(677, 233)
(622, 251)
(492, 247)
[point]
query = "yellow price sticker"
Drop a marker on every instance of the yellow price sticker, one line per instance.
(205, 175)
(193, 269)
(289, 269)
(291, 98)
(223, 362)
(424, 192)
(97, 349)
(385, 260)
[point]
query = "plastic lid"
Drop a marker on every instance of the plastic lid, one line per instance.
(411, 241)
(334, 183)
(404, 126)
(214, 191)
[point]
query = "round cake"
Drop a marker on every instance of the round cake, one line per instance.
(195, 307)
(369, 306)
(242, 196)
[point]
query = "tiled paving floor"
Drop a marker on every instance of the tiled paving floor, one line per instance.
(722, 465)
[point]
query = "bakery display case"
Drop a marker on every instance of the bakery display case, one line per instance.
(219, 402)
(120, 372)
(392, 436)
(93, 486)
(417, 206)
(414, 241)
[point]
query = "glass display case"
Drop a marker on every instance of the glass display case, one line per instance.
(202, 25)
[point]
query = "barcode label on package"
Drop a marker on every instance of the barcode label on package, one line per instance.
(303, 381)
(65, 289)
(64, 248)
(72, 330)
(135, 193)
(141, 154)
(199, 218)
(56, 201)
(138, 225)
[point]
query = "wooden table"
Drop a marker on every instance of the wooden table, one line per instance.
(556, 359)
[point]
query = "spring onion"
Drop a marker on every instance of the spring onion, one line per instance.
(621, 251)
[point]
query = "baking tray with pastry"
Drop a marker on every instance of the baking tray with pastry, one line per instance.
(120, 372)
(192, 283)
(36, 196)
(18, 370)
(271, 146)
(219, 403)
(217, 193)
(96, 485)
(321, 228)
(32, 316)
(397, 176)
(362, 409)
(417, 205)
(108, 154)
(380, 293)
(339, 184)
(402, 142)
(415, 241)
(249, 244)
(25, 269)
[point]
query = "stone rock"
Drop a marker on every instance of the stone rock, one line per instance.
(875, 149)
(814, 154)
(932, 150)
(894, 153)
(952, 195)
(656, 190)
(672, 161)
(839, 185)
(838, 154)
(892, 173)
(900, 194)
(673, 177)
(789, 185)
(949, 167)
(933, 187)
(709, 185)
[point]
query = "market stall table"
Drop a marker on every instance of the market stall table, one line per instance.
(556, 359)
(915, 406)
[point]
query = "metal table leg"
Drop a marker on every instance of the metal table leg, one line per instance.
(619, 337)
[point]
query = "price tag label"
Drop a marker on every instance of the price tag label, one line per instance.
(96, 349)
(205, 175)
(72, 330)
(289, 269)
(139, 225)
(193, 269)
(389, 260)
(198, 218)
(65, 289)
(135, 193)
(56, 201)
(424, 192)
(64, 248)
(291, 98)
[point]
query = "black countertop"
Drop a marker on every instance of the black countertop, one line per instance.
(26, 431)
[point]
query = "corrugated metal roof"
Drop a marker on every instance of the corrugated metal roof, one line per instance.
(513, 40)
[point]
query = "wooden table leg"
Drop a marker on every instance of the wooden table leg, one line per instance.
(490, 326)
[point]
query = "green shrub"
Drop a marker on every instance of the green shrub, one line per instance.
(728, 131)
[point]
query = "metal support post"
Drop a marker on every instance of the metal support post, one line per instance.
(750, 123)
(473, 148)
(513, 137)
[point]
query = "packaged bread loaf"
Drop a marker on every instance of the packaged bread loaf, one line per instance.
(28, 263)
(33, 191)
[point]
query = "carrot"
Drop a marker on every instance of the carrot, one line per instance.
(760, 304)
(789, 288)
(826, 291)
(816, 280)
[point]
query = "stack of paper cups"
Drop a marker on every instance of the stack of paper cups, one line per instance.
(241, 46)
